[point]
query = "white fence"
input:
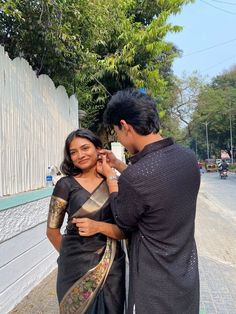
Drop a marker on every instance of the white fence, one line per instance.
(35, 118)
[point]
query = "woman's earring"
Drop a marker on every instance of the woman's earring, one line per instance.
(99, 157)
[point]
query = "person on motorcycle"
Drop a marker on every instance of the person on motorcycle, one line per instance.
(223, 166)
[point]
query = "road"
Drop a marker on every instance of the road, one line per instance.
(216, 242)
(221, 191)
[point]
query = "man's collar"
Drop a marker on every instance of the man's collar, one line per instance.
(149, 148)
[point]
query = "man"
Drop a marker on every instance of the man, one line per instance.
(223, 168)
(155, 201)
(224, 165)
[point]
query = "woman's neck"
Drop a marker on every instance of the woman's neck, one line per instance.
(89, 173)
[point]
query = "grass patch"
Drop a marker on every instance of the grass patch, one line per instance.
(232, 167)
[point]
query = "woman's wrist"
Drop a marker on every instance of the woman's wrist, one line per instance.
(112, 177)
(112, 184)
(99, 226)
(111, 174)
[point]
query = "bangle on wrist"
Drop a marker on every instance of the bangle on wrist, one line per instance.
(114, 177)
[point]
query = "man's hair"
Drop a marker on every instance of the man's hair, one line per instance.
(137, 109)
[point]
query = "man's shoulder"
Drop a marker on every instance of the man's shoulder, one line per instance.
(182, 148)
(153, 163)
(182, 151)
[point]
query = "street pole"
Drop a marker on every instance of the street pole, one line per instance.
(196, 148)
(207, 143)
(231, 138)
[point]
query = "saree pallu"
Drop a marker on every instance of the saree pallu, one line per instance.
(91, 270)
(84, 285)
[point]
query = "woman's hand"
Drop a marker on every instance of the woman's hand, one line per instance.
(86, 227)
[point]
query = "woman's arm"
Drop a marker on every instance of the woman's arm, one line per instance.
(110, 230)
(57, 211)
(54, 236)
(88, 227)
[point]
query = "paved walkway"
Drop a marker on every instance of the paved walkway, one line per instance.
(41, 300)
(218, 287)
(216, 239)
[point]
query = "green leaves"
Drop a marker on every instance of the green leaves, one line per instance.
(93, 47)
(217, 105)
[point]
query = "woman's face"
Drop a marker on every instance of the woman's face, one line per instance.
(83, 153)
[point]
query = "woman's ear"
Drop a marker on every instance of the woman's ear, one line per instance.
(99, 157)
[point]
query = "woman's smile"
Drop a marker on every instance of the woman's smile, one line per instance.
(83, 161)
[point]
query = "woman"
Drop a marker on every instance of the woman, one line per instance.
(91, 263)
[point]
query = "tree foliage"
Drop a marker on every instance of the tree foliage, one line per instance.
(180, 104)
(193, 108)
(216, 107)
(93, 47)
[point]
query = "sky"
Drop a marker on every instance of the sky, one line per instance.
(205, 23)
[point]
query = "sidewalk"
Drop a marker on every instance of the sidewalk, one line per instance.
(217, 263)
(216, 241)
(41, 300)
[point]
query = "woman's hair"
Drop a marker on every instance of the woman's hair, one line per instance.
(67, 167)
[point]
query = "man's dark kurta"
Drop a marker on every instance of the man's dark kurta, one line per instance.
(157, 202)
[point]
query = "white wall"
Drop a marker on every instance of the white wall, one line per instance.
(35, 118)
(26, 255)
(118, 150)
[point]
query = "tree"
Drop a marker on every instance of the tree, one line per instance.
(93, 47)
(217, 106)
(180, 104)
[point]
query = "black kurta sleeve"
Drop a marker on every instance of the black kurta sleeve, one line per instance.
(58, 204)
(127, 206)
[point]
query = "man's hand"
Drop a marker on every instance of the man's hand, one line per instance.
(104, 167)
(86, 227)
(110, 157)
(112, 160)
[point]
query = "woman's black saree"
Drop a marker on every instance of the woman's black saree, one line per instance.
(91, 270)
